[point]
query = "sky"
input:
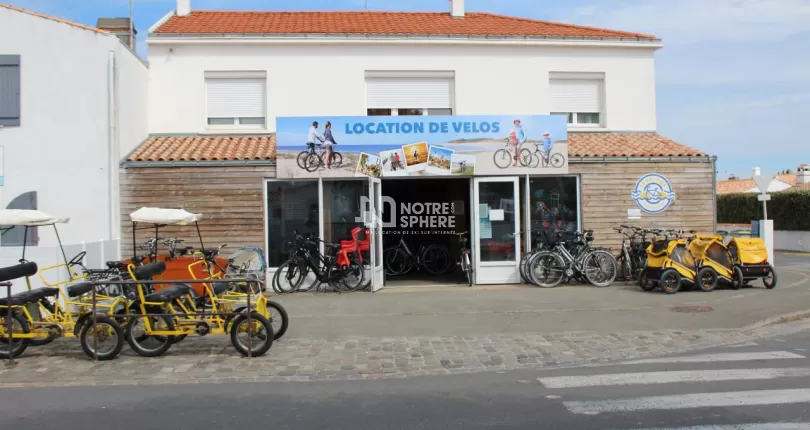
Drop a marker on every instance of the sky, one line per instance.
(728, 67)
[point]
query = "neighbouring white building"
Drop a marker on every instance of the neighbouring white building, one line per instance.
(73, 100)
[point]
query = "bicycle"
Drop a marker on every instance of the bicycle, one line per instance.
(632, 258)
(340, 271)
(315, 160)
(465, 257)
(400, 259)
(532, 158)
(584, 264)
(503, 157)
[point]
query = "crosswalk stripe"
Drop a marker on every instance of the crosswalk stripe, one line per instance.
(730, 356)
(672, 377)
(685, 401)
(753, 426)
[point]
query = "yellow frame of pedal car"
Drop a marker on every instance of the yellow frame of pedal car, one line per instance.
(182, 311)
(229, 300)
(50, 324)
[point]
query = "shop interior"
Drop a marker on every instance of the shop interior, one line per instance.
(428, 212)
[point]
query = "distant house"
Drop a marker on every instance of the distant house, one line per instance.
(799, 180)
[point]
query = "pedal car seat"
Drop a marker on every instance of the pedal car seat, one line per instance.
(32, 296)
(169, 293)
(79, 289)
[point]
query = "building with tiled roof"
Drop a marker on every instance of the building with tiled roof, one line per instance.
(780, 182)
(234, 96)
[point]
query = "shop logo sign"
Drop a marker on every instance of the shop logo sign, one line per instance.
(653, 193)
(412, 217)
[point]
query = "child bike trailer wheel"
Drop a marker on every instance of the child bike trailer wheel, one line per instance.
(670, 281)
(706, 279)
(770, 280)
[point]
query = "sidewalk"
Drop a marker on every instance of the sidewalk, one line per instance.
(407, 332)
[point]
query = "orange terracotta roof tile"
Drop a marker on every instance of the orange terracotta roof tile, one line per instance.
(735, 186)
(379, 23)
(789, 178)
(800, 187)
(206, 148)
(627, 145)
(53, 18)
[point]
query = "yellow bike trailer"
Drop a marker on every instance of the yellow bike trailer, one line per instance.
(679, 267)
(656, 257)
(713, 261)
(750, 259)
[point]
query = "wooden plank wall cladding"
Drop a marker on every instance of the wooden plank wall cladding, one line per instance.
(606, 195)
(231, 198)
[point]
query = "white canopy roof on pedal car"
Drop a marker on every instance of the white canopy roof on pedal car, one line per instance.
(28, 218)
(164, 216)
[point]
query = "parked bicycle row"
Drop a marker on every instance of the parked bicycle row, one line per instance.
(135, 302)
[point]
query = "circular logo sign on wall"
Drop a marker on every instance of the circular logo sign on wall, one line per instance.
(653, 193)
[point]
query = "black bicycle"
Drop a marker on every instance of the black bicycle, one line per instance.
(336, 268)
(632, 257)
(311, 159)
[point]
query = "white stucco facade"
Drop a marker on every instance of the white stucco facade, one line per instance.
(306, 79)
(64, 148)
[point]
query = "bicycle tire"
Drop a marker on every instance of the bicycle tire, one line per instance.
(558, 266)
(465, 258)
(160, 350)
(354, 268)
(87, 341)
(525, 157)
(301, 158)
(283, 317)
(502, 155)
(16, 347)
(267, 341)
(313, 162)
(337, 159)
(556, 160)
(295, 281)
(607, 281)
(441, 268)
(394, 254)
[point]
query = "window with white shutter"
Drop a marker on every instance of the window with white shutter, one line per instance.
(236, 99)
(409, 93)
(579, 96)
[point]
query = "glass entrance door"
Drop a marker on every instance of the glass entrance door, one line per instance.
(496, 248)
(375, 225)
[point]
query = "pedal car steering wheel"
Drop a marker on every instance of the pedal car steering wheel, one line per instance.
(77, 259)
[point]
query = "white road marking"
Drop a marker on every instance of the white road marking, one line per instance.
(727, 356)
(743, 344)
(756, 426)
(673, 377)
(699, 400)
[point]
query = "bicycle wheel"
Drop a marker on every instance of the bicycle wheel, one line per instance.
(556, 160)
(502, 158)
(548, 269)
(288, 277)
(522, 267)
(395, 261)
(14, 348)
(353, 275)
(278, 319)
(525, 157)
(260, 332)
(147, 345)
(313, 162)
(466, 264)
(436, 259)
(301, 158)
(600, 268)
(625, 272)
(110, 338)
(337, 159)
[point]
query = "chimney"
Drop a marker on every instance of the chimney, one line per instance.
(803, 174)
(183, 7)
(118, 27)
(757, 171)
(457, 8)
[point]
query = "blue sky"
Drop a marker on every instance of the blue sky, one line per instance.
(733, 78)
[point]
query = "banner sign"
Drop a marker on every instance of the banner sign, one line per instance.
(402, 146)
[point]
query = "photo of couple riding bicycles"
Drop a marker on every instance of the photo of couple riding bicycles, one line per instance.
(320, 151)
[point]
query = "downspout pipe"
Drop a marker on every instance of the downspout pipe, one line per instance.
(112, 162)
(713, 159)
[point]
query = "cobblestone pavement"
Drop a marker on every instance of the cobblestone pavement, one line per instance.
(213, 359)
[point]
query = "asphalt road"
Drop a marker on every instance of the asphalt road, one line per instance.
(763, 385)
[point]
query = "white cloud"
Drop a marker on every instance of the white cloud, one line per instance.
(696, 21)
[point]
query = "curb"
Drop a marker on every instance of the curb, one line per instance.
(780, 319)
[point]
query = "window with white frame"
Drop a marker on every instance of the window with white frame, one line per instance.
(236, 99)
(409, 93)
(580, 96)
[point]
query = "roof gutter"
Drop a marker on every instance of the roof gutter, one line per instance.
(703, 159)
(631, 42)
(224, 163)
